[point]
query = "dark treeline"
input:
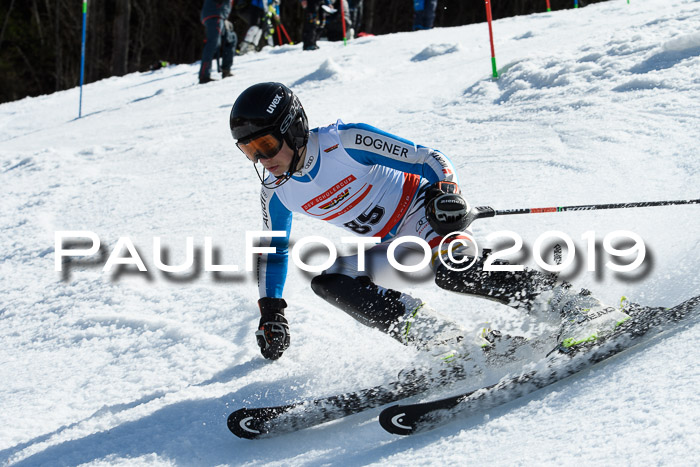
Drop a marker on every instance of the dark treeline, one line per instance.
(40, 39)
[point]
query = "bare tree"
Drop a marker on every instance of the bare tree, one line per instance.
(120, 37)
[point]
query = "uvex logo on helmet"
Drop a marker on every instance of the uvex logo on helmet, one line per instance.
(273, 105)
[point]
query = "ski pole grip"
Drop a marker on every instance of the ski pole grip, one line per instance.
(479, 212)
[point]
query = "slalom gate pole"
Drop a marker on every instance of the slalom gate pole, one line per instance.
(285, 34)
(549, 7)
(279, 35)
(493, 50)
(481, 212)
(342, 20)
(575, 3)
(82, 60)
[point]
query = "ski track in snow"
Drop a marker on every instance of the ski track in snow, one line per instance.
(595, 105)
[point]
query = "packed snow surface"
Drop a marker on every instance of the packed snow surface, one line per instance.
(595, 105)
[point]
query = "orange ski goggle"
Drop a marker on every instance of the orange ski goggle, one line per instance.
(262, 147)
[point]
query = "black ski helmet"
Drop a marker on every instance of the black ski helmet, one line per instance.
(269, 108)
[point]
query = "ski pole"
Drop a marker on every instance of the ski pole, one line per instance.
(480, 212)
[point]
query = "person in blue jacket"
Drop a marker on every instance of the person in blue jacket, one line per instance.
(219, 34)
(424, 14)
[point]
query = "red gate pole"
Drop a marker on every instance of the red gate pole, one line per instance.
(493, 51)
(342, 18)
(285, 34)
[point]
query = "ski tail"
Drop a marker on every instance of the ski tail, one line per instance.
(253, 423)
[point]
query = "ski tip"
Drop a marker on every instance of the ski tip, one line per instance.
(244, 425)
(394, 420)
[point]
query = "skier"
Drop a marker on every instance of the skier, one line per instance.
(375, 184)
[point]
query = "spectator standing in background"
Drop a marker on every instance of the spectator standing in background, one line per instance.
(424, 14)
(356, 16)
(334, 19)
(219, 33)
(314, 20)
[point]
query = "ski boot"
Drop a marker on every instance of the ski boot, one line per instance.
(439, 338)
(584, 317)
(502, 350)
(427, 330)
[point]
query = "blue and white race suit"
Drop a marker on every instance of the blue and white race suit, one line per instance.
(361, 179)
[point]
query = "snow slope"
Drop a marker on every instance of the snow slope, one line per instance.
(595, 105)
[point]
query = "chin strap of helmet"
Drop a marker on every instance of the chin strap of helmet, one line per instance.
(282, 179)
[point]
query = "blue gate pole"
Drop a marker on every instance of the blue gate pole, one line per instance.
(82, 60)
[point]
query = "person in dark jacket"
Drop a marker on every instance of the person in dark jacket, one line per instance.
(334, 24)
(219, 33)
(314, 21)
(355, 7)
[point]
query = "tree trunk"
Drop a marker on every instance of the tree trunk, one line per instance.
(57, 43)
(138, 41)
(37, 20)
(7, 18)
(369, 16)
(120, 37)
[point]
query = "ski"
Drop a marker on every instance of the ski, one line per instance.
(259, 422)
(252, 423)
(645, 323)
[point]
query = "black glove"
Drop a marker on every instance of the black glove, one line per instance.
(445, 208)
(273, 330)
